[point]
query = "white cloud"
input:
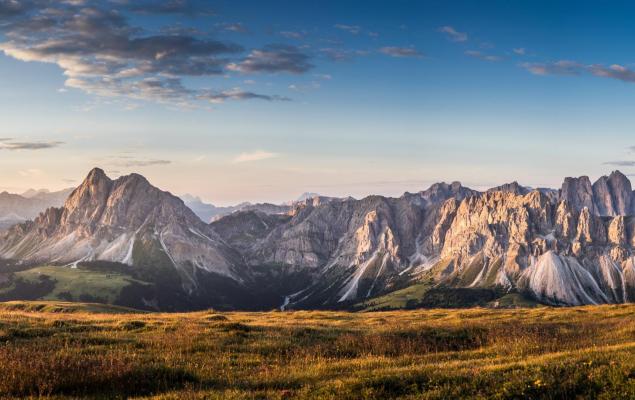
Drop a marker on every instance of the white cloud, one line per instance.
(453, 34)
(482, 56)
(31, 173)
(11, 144)
(352, 29)
(257, 155)
(562, 67)
(400, 51)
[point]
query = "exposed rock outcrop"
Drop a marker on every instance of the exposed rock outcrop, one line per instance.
(575, 247)
(125, 220)
(609, 196)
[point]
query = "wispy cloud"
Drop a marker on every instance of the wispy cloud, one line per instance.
(338, 54)
(292, 35)
(11, 144)
(352, 29)
(257, 155)
(621, 163)
(129, 159)
(521, 51)
(235, 27)
(239, 94)
(614, 71)
(145, 163)
(562, 67)
(186, 7)
(313, 85)
(31, 172)
(274, 58)
(401, 51)
(452, 34)
(482, 56)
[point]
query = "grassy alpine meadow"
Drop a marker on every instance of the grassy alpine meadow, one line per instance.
(70, 350)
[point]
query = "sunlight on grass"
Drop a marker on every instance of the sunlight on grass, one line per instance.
(67, 350)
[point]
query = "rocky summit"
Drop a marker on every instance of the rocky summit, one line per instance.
(570, 246)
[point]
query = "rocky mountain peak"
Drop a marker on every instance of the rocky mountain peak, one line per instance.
(96, 174)
(608, 196)
(618, 175)
(96, 181)
(126, 220)
(622, 194)
(512, 187)
(578, 192)
(86, 203)
(442, 191)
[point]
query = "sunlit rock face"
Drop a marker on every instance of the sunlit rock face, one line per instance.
(608, 196)
(567, 247)
(126, 220)
(558, 254)
(508, 237)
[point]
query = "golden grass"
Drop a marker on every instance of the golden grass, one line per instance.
(67, 351)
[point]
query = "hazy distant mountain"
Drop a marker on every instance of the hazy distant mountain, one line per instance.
(209, 212)
(6, 221)
(16, 208)
(456, 245)
(513, 187)
(205, 211)
(306, 196)
(34, 192)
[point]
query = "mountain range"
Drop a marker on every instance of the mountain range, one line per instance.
(210, 213)
(127, 242)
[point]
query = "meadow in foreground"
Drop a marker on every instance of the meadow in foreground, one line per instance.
(65, 350)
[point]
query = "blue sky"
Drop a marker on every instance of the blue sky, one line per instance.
(261, 101)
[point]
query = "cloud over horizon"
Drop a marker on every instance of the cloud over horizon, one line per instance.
(257, 155)
(145, 163)
(623, 163)
(13, 145)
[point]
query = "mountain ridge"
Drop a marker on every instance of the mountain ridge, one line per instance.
(567, 247)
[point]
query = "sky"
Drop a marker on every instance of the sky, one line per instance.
(263, 100)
